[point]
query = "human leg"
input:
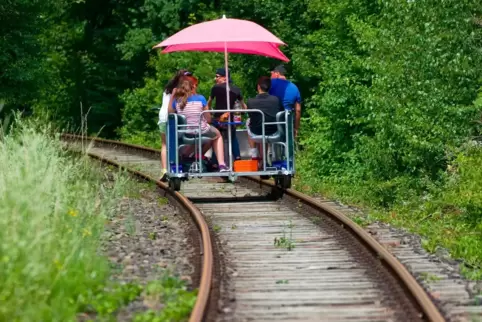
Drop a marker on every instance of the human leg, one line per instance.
(218, 146)
(206, 147)
(262, 161)
(235, 145)
(253, 149)
(253, 146)
(162, 128)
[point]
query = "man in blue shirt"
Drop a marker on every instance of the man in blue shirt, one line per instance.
(287, 93)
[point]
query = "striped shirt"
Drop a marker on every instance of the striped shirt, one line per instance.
(194, 106)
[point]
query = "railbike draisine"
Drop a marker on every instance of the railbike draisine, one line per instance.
(278, 162)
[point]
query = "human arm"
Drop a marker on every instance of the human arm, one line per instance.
(297, 117)
(240, 98)
(243, 104)
(172, 102)
(210, 99)
(205, 105)
(209, 103)
(297, 113)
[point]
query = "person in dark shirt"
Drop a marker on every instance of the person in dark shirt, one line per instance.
(269, 105)
(218, 94)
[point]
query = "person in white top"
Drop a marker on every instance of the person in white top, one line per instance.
(163, 113)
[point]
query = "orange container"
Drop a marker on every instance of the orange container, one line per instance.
(245, 165)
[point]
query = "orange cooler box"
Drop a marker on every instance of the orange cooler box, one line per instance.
(246, 166)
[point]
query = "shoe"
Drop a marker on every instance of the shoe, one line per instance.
(223, 168)
(164, 176)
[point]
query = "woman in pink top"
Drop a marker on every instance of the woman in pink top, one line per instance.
(185, 101)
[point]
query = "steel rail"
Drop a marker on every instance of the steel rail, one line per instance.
(427, 306)
(430, 310)
(204, 290)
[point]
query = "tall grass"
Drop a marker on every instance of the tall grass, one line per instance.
(52, 213)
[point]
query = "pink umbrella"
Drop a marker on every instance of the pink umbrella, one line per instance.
(228, 36)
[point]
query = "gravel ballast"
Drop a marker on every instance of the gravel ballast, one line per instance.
(459, 299)
(146, 237)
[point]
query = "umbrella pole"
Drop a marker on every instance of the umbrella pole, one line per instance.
(227, 99)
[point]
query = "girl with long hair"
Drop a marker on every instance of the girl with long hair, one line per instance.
(169, 89)
(190, 104)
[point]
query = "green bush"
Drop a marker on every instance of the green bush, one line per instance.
(399, 80)
(52, 213)
(451, 215)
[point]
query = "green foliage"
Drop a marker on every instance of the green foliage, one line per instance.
(21, 68)
(427, 63)
(447, 214)
(52, 212)
(397, 86)
(4, 121)
(105, 301)
(478, 121)
(285, 242)
(167, 299)
(399, 81)
(172, 292)
(389, 87)
(450, 216)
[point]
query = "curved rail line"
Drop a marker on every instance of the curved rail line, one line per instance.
(402, 273)
(202, 300)
(418, 294)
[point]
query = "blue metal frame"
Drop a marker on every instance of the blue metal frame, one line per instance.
(175, 131)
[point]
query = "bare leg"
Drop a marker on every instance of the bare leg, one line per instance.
(218, 146)
(206, 147)
(186, 151)
(251, 143)
(163, 151)
(254, 149)
(163, 157)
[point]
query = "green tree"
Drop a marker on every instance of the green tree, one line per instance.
(398, 84)
(333, 62)
(427, 62)
(21, 57)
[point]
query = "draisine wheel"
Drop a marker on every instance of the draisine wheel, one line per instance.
(175, 184)
(278, 181)
(285, 181)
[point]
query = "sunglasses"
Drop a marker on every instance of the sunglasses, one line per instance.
(187, 74)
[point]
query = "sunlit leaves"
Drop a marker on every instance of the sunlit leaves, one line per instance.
(398, 84)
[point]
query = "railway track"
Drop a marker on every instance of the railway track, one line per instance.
(279, 255)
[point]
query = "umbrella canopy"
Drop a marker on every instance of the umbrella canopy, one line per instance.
(226, 34)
